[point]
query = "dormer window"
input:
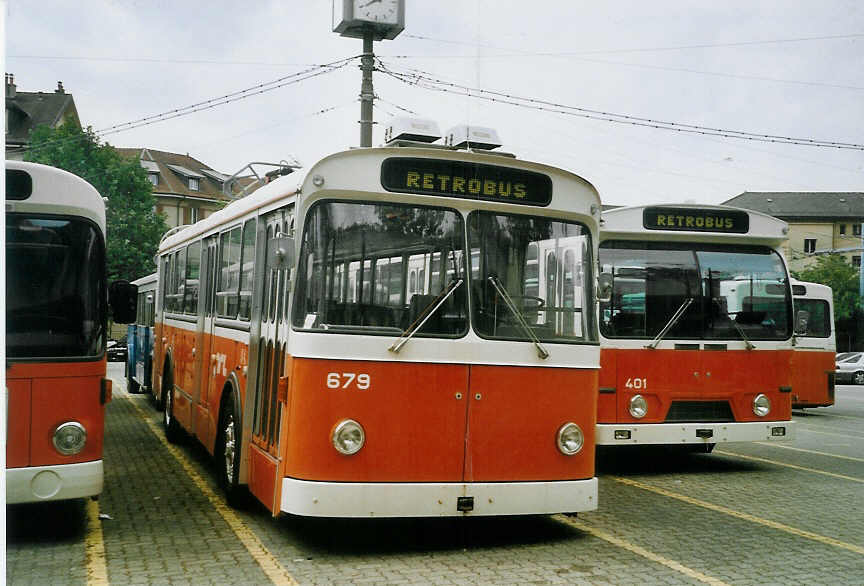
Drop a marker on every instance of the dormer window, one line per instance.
(193, 179)
(152, 171)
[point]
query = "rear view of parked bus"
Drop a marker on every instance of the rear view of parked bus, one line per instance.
(695, 326)
(406, 354)
(139, 337)
(815, 345)
(56, 317)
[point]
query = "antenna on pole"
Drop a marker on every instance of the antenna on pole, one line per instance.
(370, 20)
(367, 94)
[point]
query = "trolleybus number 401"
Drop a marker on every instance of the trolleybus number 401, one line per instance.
(344, 380)
(636, 383)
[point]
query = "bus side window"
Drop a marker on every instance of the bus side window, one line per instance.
(229, 273)
(247, 258)
(192, 278)
(176, 282)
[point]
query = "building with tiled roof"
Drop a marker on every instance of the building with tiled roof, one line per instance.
(186, 190)
(819, 222)
(27, 110)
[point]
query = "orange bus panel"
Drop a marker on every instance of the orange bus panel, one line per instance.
(811, 386)
(518, 411)
(665, 376)
(57, 397)
(420, 439)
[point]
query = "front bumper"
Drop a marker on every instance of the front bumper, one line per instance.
(53, 483)
(692, 433)
(355, 499)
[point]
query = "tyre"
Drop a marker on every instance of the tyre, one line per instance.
(173, 433)
(132, 386)
(228, 447)
(858, 378)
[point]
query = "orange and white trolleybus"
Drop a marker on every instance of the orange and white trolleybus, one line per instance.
(813, 360)
(405, 333)
(56, 318)
(695, 327)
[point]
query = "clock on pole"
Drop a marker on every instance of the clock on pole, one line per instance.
(370, 20)
(355, 18)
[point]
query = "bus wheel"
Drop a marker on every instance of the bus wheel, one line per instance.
(173, 433)
(228, 454)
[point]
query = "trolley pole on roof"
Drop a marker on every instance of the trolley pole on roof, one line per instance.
(367, 94)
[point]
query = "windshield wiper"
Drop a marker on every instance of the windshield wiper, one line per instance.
(508, 301)
(424, 316)
(747, 343)
(672, 321)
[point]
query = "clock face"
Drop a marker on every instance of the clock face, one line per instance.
(381, 11)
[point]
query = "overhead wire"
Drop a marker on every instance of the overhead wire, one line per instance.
(255, 90)
(647, 49)
(430, 82)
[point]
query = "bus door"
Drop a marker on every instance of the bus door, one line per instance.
(266, 399)
(206, 426)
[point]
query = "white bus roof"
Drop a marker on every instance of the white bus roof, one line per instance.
(692, 222)
(56, 191)
(812, 290)
(150, 279)
(359, 170)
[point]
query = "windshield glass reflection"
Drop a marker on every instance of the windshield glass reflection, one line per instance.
(738, 291)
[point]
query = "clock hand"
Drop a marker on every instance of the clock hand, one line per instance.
(370, 3)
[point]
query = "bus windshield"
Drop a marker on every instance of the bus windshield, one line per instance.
(540, 265)
(737, 291)
(55, 287)
(373, 268)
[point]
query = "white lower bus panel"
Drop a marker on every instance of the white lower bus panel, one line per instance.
(613, 434)
(53, 483)
(355, 499)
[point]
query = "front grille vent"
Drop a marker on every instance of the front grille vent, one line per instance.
(699, 412)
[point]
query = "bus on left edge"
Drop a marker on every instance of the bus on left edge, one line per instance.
(56, 318)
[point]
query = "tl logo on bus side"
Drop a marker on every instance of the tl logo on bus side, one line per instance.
(219, 361)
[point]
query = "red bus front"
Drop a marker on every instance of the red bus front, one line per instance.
(696, 341)
(55, 339)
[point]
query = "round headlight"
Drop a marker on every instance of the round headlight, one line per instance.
(69, 438)
(761, 405)
(570, 439)
(348, 437)
(638, 406)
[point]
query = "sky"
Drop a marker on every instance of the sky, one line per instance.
(786, 68)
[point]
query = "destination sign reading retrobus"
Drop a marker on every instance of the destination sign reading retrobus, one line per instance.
(696, 220)
(466, 180)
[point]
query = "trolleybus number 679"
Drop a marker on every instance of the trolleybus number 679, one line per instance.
(344, 380)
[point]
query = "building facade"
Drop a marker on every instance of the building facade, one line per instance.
(819, 222)
(186, 190)
(27, 110)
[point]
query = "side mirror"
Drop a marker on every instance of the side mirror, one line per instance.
(604, 287)
(280, 252)
(802, 321)
(123, 298)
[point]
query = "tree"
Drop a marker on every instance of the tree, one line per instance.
(133, 226)
(833, 270)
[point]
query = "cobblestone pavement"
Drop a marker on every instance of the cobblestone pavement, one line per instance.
(746, 514)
